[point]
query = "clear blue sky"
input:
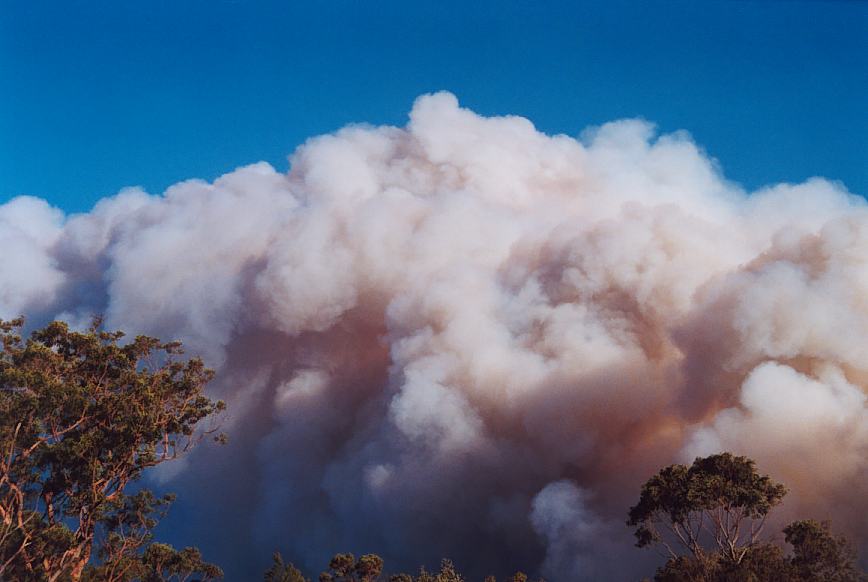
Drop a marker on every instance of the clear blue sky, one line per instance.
(97, 95)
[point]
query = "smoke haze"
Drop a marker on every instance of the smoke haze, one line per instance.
(466, 338)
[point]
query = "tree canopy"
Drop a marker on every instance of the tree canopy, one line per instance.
(369, 568)
(82, 416)
(710, 517)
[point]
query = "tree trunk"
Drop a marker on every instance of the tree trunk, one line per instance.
(79, 564)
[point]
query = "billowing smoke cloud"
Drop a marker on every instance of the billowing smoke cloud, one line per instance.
(466, 338)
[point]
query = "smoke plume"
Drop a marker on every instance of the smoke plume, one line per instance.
(466, 338)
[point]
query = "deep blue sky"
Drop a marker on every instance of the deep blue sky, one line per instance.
(98, 95)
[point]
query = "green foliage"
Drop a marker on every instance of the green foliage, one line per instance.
(82, 416)
(715, 511)
(157, 563)
(345, 568)
(163, 563)
(448, 573)
(369, 568)
(820, 555)
(424, 575)
(762, 563)
(719, 499)
(281, 571)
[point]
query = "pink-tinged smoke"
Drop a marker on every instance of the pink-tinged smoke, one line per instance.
(466, 338)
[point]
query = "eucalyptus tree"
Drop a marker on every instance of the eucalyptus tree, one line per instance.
(83, 415)
(709, 519)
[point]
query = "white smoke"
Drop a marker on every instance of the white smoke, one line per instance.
(579, 545)
(422, 332)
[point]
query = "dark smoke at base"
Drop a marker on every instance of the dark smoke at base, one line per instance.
(465, 338)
